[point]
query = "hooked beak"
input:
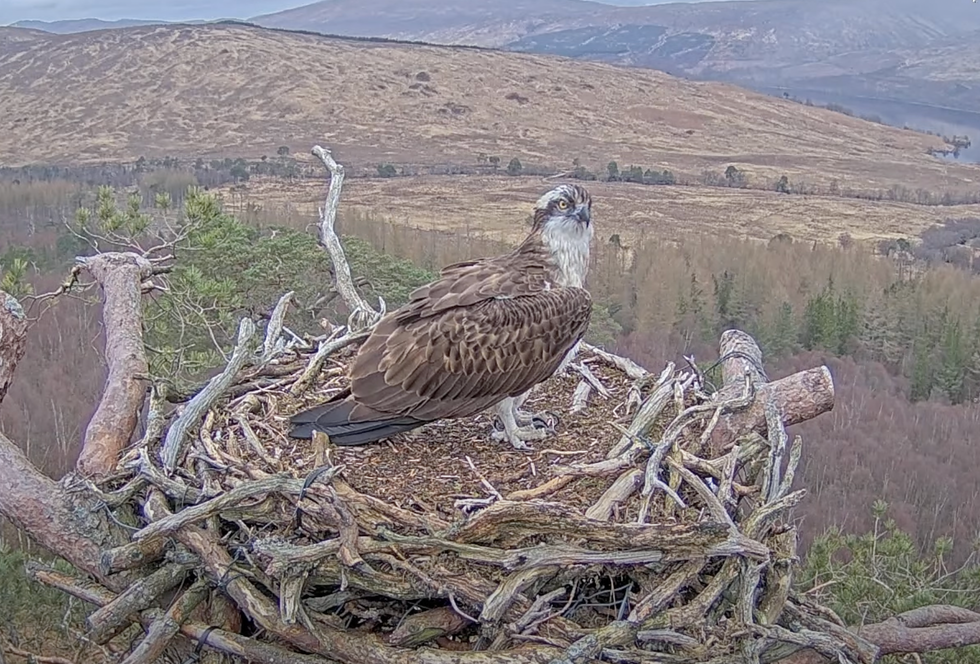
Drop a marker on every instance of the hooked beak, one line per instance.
(583, 215)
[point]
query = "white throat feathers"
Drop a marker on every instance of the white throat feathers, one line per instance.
(568, 240)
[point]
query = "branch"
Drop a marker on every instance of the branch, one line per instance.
(35, 504)
(115, 616)
(921, 630)
(120, 276)
(67, 525)
(362, 314)
(203, 400)
(797, 398)
(219, 639)
(165, 627)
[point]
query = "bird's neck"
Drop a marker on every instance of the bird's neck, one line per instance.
(563, 251)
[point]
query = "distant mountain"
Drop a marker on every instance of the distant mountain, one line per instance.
(486, 23)
(86, 24)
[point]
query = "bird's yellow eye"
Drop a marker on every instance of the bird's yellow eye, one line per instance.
(562, 204)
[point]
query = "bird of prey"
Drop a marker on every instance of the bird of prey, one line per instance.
(481, 335)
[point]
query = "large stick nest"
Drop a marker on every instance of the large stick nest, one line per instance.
(629, 535)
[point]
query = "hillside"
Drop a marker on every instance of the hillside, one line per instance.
(847, 46)
(628, 210)
(235, 90)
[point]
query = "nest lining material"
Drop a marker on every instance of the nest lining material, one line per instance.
(429, 469)
(446, 539)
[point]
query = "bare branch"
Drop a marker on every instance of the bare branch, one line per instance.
(362, 314)
(203, 400)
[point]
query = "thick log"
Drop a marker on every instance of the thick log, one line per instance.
(917, 631)
(798, 398)
(120, 276)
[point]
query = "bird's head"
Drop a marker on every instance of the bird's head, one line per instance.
(567, 205)
(563, 220)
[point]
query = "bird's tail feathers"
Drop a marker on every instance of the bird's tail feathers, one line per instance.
(333, 419)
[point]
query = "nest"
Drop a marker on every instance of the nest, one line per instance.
(651, 527)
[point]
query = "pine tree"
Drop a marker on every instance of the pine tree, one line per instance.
(971, 370)
(780, 336)
(954, 356)
(820, 328)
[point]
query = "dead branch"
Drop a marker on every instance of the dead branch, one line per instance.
(166, 625)
(31, 657)
(203, 400)
(115, 616)
(119, 275)
(362, 315)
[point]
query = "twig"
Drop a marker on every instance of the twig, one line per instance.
(327, 347)
(483, 480)
(31, 657)
(627, 366)
(591, 378)
(580, 398)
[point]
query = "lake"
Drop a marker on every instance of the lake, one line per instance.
(925, 117)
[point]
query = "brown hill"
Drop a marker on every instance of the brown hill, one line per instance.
(238, 90)
(836, 46)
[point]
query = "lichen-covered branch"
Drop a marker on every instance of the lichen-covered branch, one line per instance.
(13, 339)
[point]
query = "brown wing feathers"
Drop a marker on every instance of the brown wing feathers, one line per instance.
(474, 336)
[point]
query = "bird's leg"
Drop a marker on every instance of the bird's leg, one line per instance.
(540, 420)
(512, 433)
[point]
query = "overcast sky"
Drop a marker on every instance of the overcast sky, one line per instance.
(166, 10)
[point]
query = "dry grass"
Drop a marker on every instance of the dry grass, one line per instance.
(233, 90)
(496, 207)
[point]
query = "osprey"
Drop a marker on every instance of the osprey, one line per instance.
(481, 335)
